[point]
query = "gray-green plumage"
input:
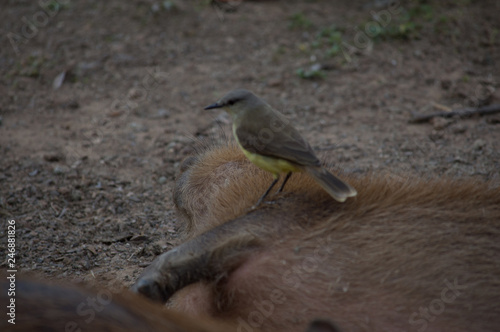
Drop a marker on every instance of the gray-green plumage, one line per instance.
(270, 141)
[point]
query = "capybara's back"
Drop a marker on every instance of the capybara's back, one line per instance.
(406, 254)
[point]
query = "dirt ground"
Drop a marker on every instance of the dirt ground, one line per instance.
(101, 100)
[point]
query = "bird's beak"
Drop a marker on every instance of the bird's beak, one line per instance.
(209, 107)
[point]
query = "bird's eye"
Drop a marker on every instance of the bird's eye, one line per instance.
(230, 102)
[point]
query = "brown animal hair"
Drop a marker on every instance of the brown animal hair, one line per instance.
(407, 254)
(49, 306)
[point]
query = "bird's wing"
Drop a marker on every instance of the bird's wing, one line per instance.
(276, 139)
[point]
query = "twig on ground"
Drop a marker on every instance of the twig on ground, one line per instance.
(461, 112)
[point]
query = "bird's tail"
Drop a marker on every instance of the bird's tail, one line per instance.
(337, 188)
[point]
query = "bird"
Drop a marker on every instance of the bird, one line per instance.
(269, 140)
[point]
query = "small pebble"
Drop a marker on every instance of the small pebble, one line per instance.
(162, 180)
(136, 127)
(163, 113)
(275, 82)
(478, 144)
(459, 129)
(76, 195)
(439, 123)
(60, 170)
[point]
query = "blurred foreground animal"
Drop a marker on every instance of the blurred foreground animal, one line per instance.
(42, 306)
(404, 255)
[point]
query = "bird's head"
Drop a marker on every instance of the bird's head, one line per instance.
(237, 102)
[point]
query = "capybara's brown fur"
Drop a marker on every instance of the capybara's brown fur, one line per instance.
(35, 305)
(406, 254)
(42, 306)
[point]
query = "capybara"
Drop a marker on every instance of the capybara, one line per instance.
(407, 254)
(43, 306)
(35, 305)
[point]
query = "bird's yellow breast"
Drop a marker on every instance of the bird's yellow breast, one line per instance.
(270, 164)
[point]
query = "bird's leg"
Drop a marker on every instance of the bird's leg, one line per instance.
(286, 179)
(267, 192)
